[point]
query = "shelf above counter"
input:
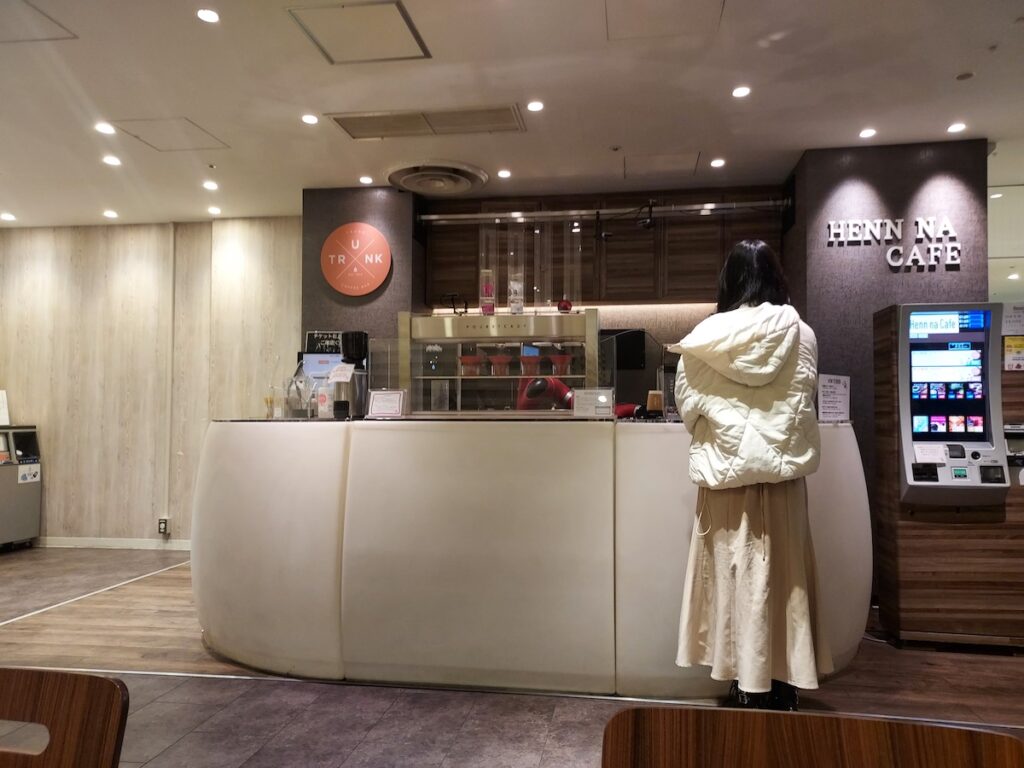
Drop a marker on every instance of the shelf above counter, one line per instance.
(498, 378)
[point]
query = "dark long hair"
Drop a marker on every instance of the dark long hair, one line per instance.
(752, 274)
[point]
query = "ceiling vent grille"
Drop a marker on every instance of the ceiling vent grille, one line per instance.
(388, 125)
(438, 179)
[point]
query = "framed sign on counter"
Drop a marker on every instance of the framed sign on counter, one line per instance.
(386, 404)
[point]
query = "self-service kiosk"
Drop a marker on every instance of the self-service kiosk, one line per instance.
(952, 448)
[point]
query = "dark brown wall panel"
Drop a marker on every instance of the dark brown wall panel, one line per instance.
(693, 257)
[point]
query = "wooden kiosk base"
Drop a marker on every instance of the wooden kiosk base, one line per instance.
(943, 574)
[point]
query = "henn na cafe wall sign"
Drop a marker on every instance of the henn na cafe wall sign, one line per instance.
(355, 259)
(935, 240)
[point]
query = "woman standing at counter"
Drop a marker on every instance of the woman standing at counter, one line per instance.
(745, 389)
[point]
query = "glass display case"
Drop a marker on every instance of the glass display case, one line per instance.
(514, 365)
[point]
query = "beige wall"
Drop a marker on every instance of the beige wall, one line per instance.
(106, 340)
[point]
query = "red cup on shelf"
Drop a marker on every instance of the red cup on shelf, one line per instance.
(472, 365)
(561, 365)
(530, 365)
(499, 364)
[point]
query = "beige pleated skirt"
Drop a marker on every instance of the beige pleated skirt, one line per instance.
(750, 597)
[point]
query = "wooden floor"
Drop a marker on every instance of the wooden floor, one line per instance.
(150, 625)
(147, 626)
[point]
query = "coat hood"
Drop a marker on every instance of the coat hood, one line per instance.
(748, 345)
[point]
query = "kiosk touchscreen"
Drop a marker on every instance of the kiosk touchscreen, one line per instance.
(951, 430)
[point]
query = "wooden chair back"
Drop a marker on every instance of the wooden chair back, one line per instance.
(712, 738)
(84, 714)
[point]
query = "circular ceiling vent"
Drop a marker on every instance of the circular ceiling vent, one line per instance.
(438, 179)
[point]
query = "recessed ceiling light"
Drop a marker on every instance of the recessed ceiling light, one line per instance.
(366, 180)
(535, 106)
(310, 119)
(717, 162)
(956, 128)
(111, 160)
(110, 214)
(211, 185)
(705, 212)
(741, 91)
(213, 209)
(709, 206)
(106, 128)
(504, 174)
(867, 133)
(209, 16)
(997, 195)
(8, 216)
(1013, 276)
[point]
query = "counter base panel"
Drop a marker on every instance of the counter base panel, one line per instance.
(266, 543)
(481, 554)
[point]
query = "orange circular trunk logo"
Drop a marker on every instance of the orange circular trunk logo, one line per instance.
(355, 259)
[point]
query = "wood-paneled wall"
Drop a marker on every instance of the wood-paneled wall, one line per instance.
(677, 260)
(943, 573)
(255, 312)
(85, 323)
(120, 342)
(190, 383)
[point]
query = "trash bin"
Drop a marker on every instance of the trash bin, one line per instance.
(21, 485)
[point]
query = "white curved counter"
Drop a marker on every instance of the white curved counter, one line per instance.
(513, 554)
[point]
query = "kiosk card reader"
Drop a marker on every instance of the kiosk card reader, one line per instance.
(951, 418)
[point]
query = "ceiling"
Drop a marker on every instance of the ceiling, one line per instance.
(652, 78)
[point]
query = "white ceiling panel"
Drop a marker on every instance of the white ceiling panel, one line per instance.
(696, 20)
(176, 134)
(22, 22)
(361, 32)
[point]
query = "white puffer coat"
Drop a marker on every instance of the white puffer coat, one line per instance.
(745, 389)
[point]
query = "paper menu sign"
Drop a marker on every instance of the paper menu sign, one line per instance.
(5, 414)
(1013, 319)
(929, 453)
(341, 372)
(833, 397)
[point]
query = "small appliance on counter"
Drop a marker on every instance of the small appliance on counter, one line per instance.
(354, 348)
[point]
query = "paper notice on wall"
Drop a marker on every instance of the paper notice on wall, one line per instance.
(5, 414)
(833, 398)
(929, 453)
(1013, 319)
(1013, 353)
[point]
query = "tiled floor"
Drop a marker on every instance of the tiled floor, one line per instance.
(215, 723)
(218, 722)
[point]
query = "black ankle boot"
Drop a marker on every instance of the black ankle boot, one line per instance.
(783, 697)
(740, 699)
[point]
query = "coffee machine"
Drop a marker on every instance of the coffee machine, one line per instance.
(350, 396)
